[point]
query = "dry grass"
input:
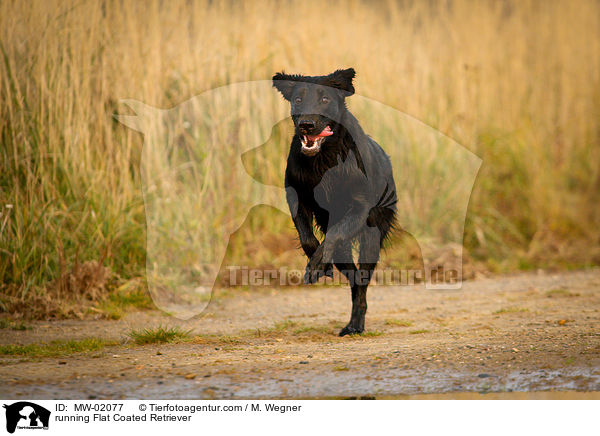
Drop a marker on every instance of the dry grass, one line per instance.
(398, 322)
(511, 310)
(419, 331)
(561, 293)
(517, 82)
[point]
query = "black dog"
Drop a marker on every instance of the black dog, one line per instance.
(339, 177)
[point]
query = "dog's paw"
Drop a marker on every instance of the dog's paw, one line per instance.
(317, 268)
(310, 247)
(313, 274)
(351, 330)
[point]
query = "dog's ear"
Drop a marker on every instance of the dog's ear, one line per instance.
(285, 83)
(342, 79)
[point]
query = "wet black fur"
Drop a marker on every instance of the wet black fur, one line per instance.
(347, 189)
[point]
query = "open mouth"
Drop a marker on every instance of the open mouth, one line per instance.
(311, 144)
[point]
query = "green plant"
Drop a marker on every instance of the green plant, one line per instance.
(56, 348)
(158, 334)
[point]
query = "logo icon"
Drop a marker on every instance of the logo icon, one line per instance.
(26, 415)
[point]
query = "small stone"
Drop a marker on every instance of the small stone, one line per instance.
(483, 375)
(190, 376)
(303, 362)
(62, 362)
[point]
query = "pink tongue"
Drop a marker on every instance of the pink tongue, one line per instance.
(326, 132)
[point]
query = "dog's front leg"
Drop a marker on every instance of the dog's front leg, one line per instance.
(344, 230)
(317, 267)
(310, 245)
(303, 218)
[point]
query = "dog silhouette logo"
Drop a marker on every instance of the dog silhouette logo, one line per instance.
(207, 162)
(26, 415)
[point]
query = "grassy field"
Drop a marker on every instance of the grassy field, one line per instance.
(516, 82)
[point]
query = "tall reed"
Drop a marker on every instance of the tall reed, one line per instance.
(516, 82)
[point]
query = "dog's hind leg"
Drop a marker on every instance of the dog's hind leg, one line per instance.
(359, 309)
(342, 259)
(367, 261)
(370, 245)
(344, 263)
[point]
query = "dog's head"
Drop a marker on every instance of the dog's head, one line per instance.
(317, 102)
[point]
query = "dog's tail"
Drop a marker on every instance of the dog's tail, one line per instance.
(388, 199)
(383, 215)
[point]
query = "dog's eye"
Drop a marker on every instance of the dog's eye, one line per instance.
(325, 99)
(298, 100)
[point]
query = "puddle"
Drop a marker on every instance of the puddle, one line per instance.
(399, 383)
(537, 395)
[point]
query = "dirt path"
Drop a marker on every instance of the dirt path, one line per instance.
(524, 333)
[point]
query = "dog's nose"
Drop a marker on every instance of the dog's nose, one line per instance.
(306, 125)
